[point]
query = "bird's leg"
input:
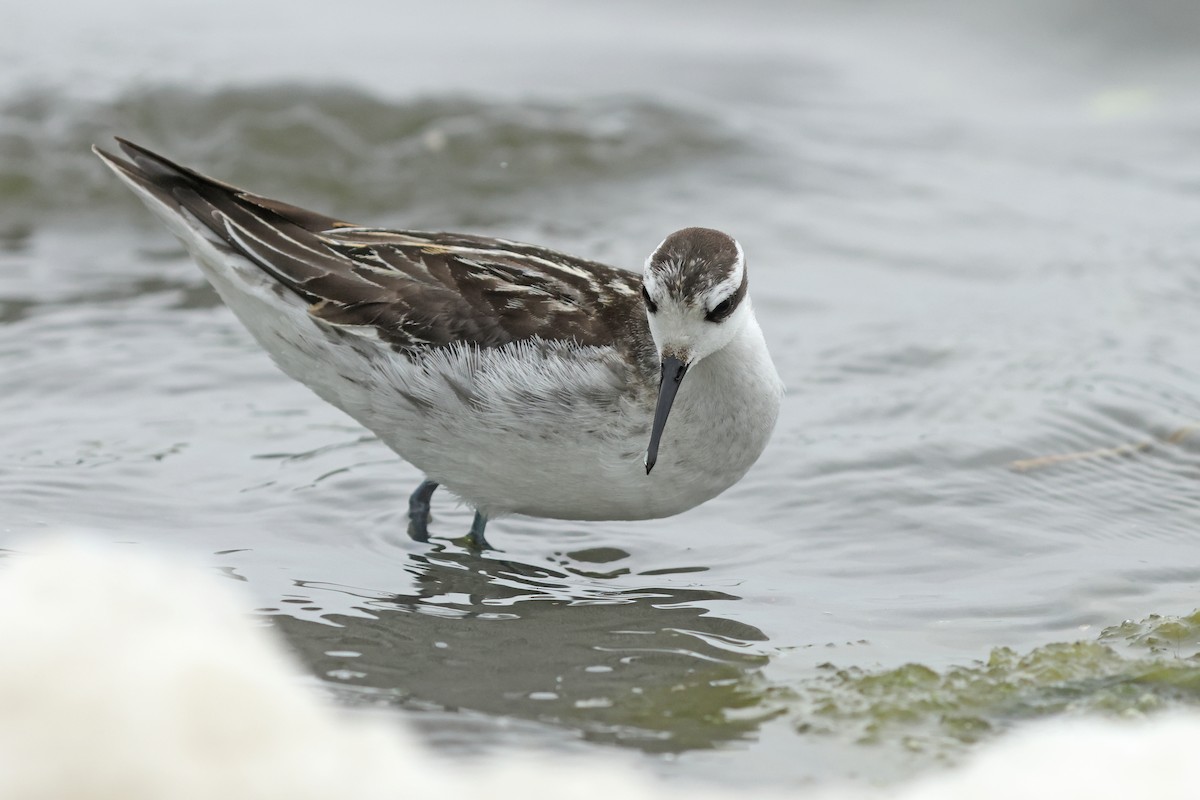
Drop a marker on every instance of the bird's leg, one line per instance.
(418, 511)
(476, 535)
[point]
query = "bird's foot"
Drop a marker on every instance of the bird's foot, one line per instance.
(419, 516)
(418, 511)
(475, 538)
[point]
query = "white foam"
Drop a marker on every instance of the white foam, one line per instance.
(1078, 760)
(126, 677)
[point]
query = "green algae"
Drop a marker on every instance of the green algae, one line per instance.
(1178, 636)
(1132, 669)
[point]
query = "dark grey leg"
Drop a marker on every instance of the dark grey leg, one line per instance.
(476, 534)
(418, 511)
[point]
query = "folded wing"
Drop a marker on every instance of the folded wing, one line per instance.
(413, 290)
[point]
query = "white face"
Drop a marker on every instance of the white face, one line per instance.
(694, 291)
(692, 327)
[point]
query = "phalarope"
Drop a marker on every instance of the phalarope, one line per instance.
(523, 380)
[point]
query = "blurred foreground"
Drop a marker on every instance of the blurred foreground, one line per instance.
(139, 678)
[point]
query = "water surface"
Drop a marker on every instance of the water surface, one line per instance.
(972, 240)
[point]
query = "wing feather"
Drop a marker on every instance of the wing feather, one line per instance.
(411, 289)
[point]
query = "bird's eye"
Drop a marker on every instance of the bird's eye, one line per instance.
(722, 309)
(651, 306)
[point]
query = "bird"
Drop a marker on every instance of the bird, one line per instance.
(521, 379)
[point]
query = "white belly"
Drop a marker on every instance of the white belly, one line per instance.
(565, 436)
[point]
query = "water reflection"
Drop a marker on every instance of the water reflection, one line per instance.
(649, 668)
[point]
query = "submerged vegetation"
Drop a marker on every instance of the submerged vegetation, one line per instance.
(1132, 669)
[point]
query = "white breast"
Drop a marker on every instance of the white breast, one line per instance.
(563, 433)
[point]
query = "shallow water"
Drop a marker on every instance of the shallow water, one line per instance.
(972, 240)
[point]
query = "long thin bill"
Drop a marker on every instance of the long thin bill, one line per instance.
(673, 371)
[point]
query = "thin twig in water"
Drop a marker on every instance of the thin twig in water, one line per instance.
(1029, 464)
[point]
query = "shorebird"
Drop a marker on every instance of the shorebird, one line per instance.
(522, 379)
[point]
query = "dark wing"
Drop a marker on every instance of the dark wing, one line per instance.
(413, 290)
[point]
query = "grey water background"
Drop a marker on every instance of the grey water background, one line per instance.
(974, 237)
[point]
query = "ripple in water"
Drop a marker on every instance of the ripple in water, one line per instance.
(345, 149)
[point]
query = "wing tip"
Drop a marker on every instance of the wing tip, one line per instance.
(145, 182)
(116, 163)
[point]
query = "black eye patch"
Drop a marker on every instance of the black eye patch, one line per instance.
(722, 309)
(651, 306)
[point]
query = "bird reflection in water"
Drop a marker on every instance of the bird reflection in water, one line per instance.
(649, 667)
